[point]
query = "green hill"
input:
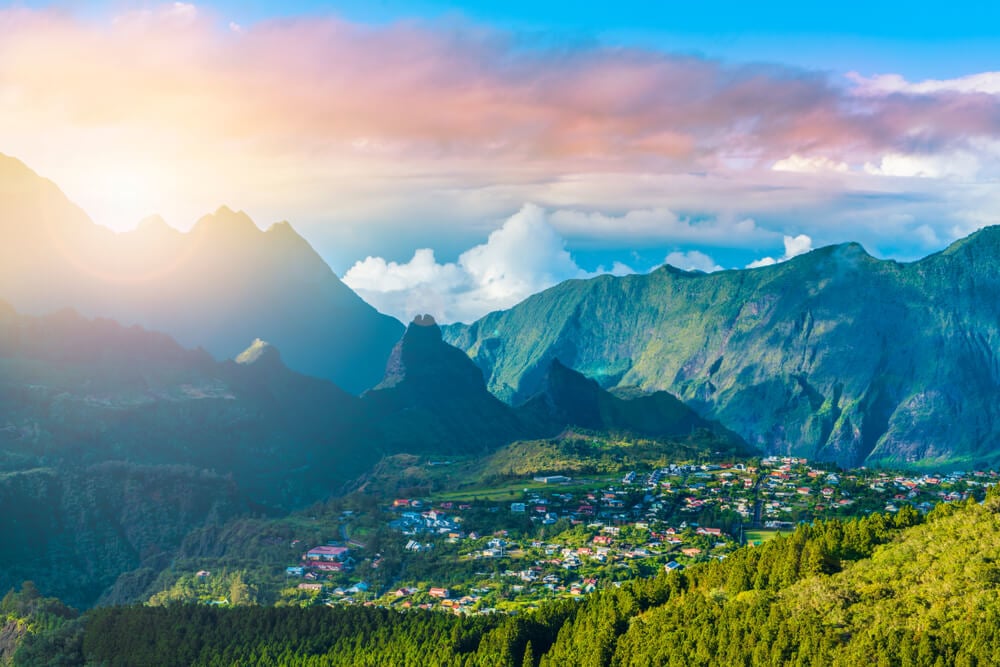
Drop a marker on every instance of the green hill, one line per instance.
(832, 355)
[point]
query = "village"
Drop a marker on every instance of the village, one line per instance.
(564, 537)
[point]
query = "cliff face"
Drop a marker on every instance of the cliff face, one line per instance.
(833, 355)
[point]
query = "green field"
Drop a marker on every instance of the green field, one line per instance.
(513, 489)
(760, 536)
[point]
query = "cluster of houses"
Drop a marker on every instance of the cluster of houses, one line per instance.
(430, 522)
(664, 514)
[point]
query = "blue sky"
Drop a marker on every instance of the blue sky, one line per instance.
(916, 39)
(421, 145)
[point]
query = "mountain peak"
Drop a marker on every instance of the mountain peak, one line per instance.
(424, 321)
(260, 353)
(154, 225)
(423, 356)
(423, 331)
(226, 221)
(985, 237)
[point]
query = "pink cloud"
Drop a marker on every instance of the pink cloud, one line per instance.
(454, 90)
(294, 109)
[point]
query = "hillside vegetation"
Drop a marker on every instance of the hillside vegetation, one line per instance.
(831, 355)
(885, 590)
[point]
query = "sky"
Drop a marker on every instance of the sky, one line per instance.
(456, 158)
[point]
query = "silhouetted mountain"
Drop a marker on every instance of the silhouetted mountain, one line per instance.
(217, 286)
(433, 398)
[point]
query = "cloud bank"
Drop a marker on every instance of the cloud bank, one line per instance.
(427, 131)
(524, 256)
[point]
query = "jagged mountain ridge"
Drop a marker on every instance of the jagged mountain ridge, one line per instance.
(75, 391)
(217, 286)
(833, 355)
(434, 398)
(78, 391)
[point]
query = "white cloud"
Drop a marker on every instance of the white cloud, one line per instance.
(809, 165)
(524, 256)
(886, 84)
(693, 260)
(959, 165)
(794, 246)
(618, 269)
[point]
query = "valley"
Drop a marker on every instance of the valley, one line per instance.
(477, 547)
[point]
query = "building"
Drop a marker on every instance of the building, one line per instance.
(553, 479)
(326, 553)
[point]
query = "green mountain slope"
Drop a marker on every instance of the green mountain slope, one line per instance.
(434, 399)
(568, 398)
(833, 355)
(217, 286)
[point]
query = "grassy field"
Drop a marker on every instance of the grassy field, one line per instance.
(512, 489)
(760, 536)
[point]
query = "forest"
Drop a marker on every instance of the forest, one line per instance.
(902, 589)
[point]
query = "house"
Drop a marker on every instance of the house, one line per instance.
(400, 502)
(203, 574)
(294, 571)
(691, 552)
(673, 566)
(440, 593)
(717, 532)
(310, 587)
(552, 479)
(326, 553)
(517, 507)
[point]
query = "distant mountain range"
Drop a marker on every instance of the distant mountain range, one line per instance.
(80, 392)
(832, 355)
(218, 286)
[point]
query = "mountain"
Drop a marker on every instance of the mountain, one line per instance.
(217, 286)
(831, 355)
(433, 398)
(568, 398)
(79, 392)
